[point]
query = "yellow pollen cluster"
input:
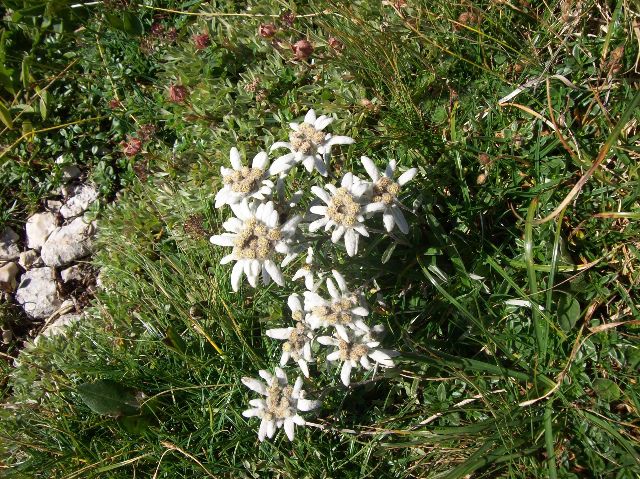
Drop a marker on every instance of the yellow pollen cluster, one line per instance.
(385, 190)
(244, 180)
(297, 340)
(352, 352)
(306, 139)
(278, 402)
(256, 240)
(339, 312)
(343, 209)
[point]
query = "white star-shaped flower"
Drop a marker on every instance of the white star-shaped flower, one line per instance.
(385, 190)
(298, 339)
(344, 309)
(308, 145)
(362, 350)
(281, 403)
(243, 182)
(344, 211)
(256, 236)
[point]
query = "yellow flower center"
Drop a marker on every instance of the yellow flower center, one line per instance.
(343, 208)
(278, 401)
(244, 180)
(256, 240)
(306, 139)
(351, 351)
(297, 340)
(339, 312)
(385, 191)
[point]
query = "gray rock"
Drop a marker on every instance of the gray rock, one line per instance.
(77, 272)
(70, 172)
(8, 274)
(39, 227)
(68, 243)
(9, 249)
(29, 259)
(38, 293)
(83, 196)
(54, 206)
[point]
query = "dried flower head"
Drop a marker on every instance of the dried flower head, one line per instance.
(302, 49)
(267, 30)
(178, 93)
(288, 18)
(335, 44)
(131, 147)
(201, 41)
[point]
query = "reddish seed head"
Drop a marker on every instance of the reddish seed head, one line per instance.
(302, 49)
(157, 29)
(201, 41)
(336, 44)
(288, 18)
(178, 93)
(115, 104)
(267, 30)
(131, 147)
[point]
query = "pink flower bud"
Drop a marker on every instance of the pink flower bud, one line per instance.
(178, 93)
(267, 30)
(302, 49)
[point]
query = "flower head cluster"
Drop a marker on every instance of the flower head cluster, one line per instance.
(308, 144)
(255, 236)
(262, 237)
(280, 405)
(243, 182)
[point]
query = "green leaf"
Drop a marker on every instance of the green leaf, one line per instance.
(44, 101)
(126, 22)
(135, 424)
(606, 389)
(25, 75)
(5, 115)
(388, 252)
(109, 398)
(568, 311)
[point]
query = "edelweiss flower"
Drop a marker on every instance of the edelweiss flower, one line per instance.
(256, 236)
(385, 190)
(345, 210)
(361, 349)
(242, 182)
(297, 339)
(281, 404)
(308, 144)
(343, 310)
(307, 273)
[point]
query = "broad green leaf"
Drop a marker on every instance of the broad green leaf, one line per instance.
(568, 311)
(135, 424)
(25, 75)
(109, 397)
(606, 389)
(5, 115)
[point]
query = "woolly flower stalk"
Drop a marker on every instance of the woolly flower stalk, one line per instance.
(297, 340)
(344, 211)
(243, 182)
(256, 236)
(362, 350)
(385, 190)
(343, 310)
(308, 144)
(280, 405)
